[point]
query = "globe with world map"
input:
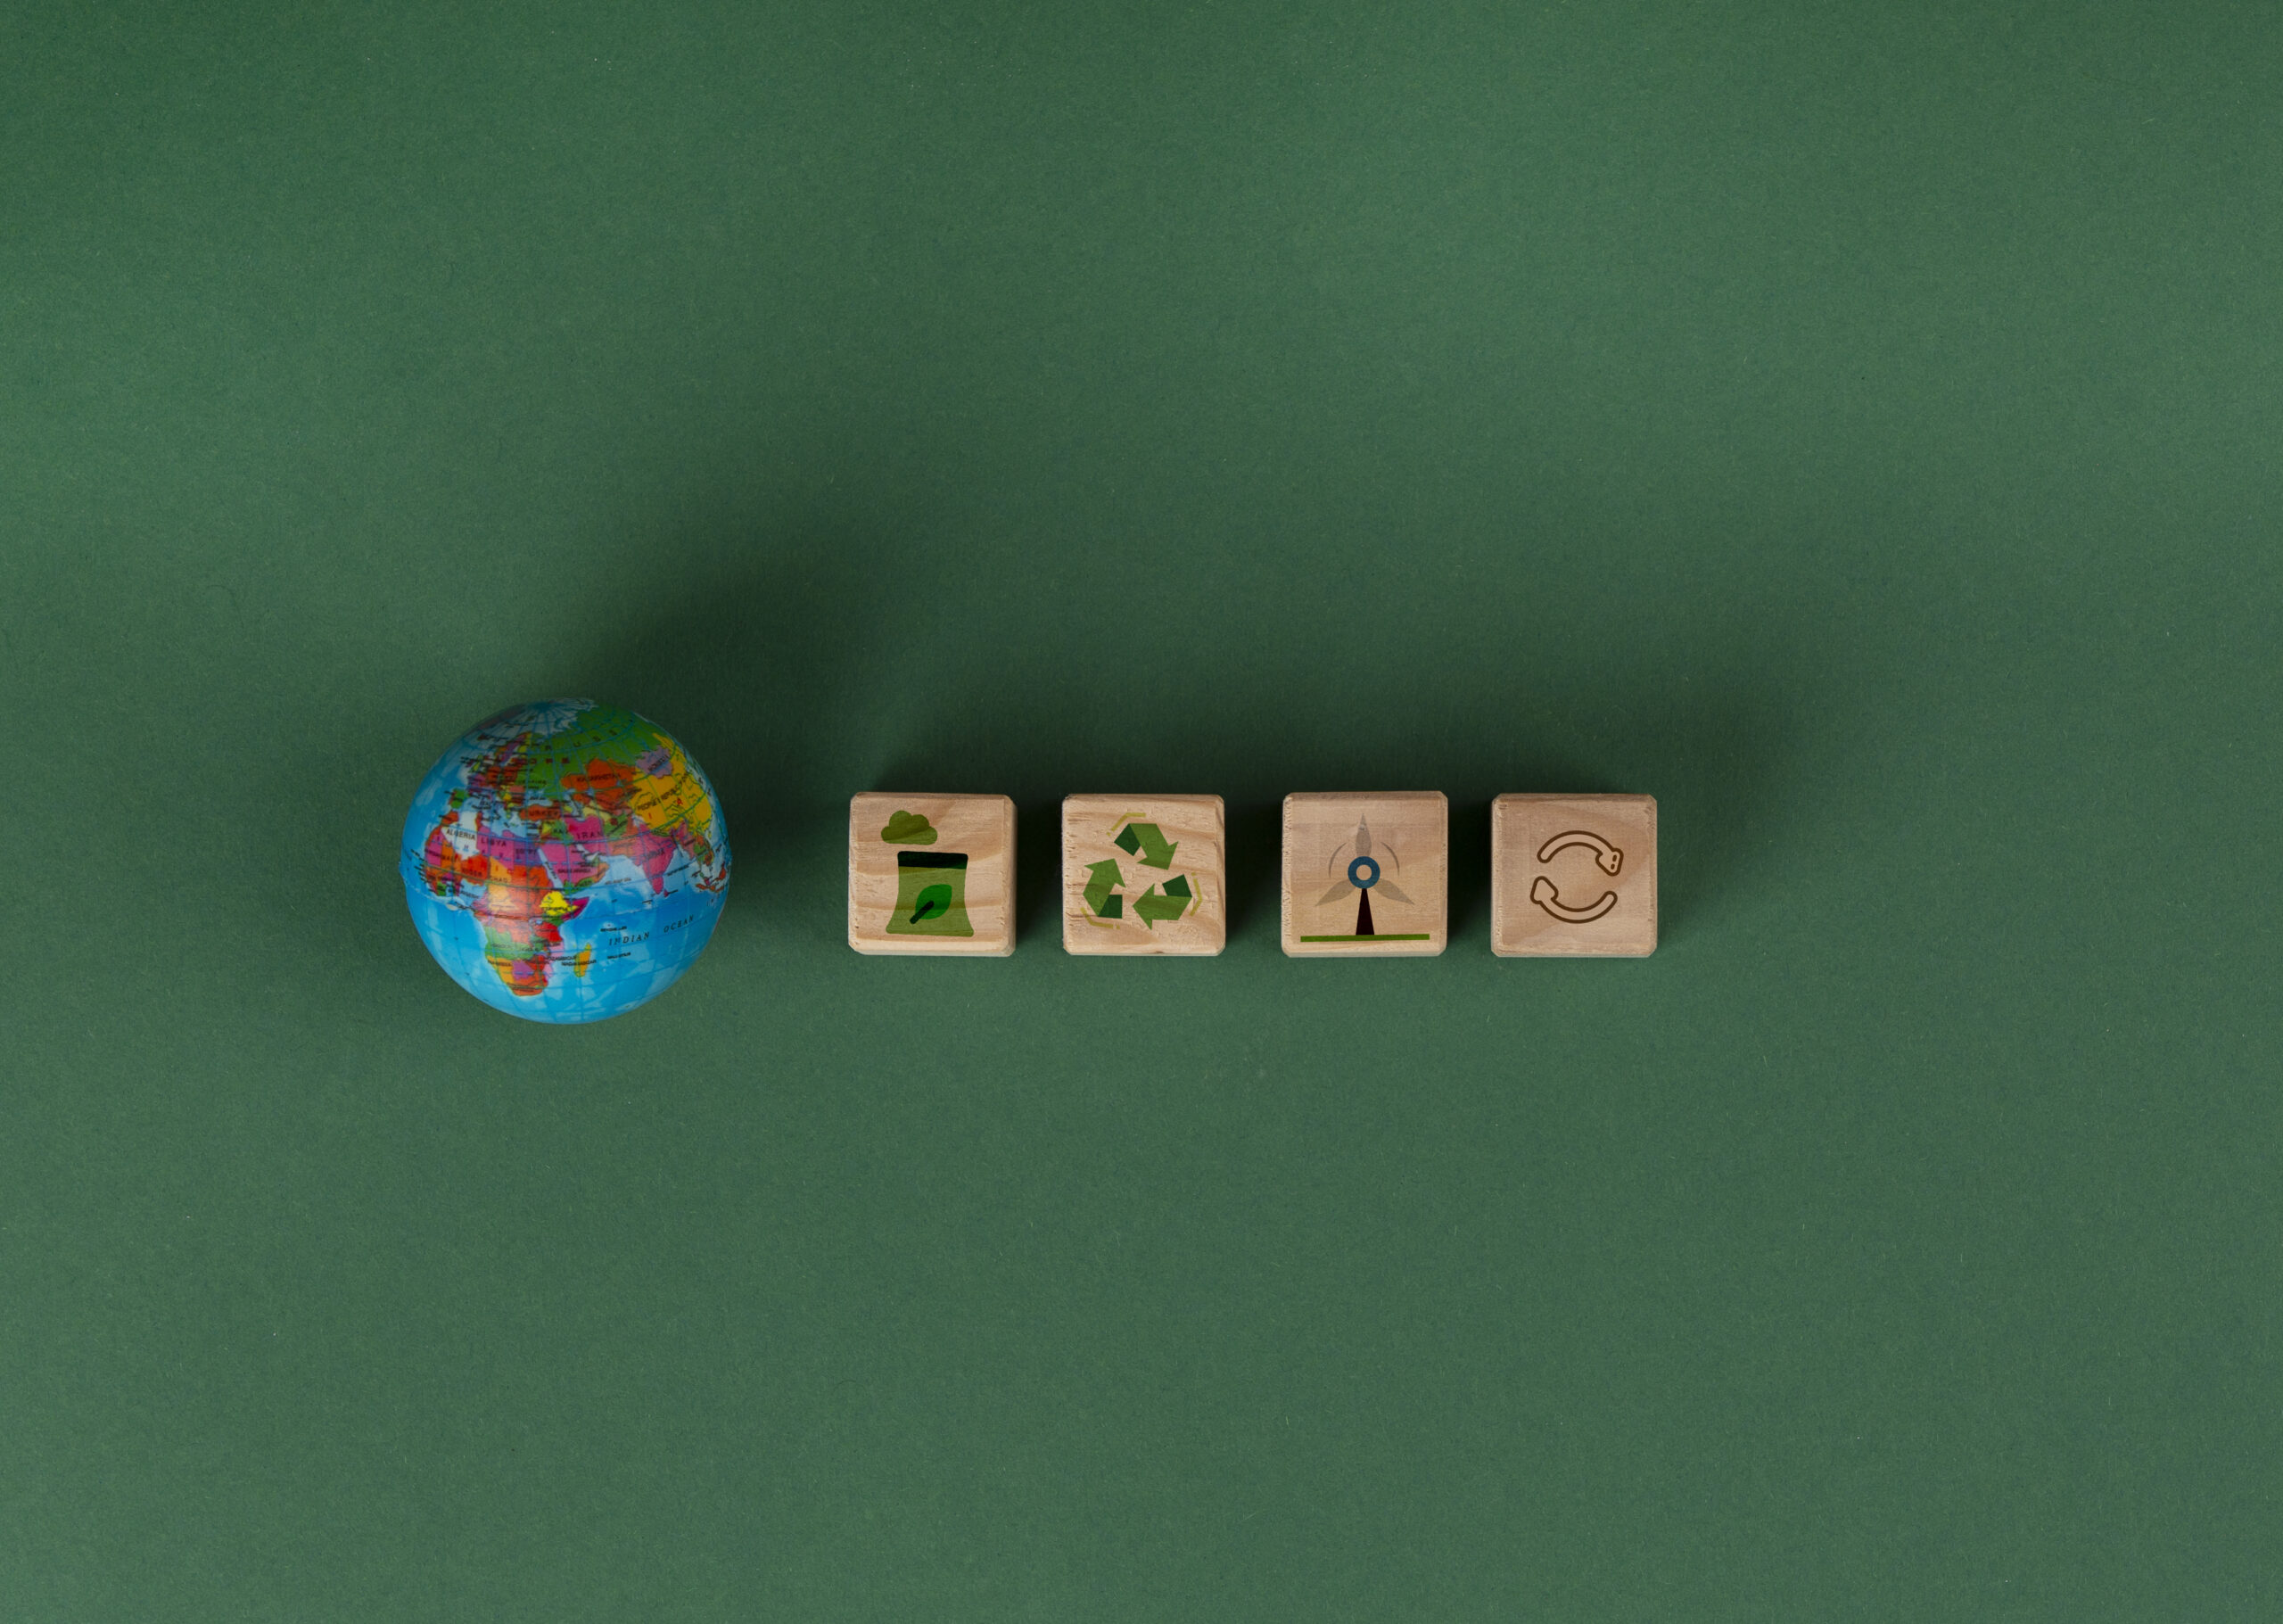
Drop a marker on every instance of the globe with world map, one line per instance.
(566, 860)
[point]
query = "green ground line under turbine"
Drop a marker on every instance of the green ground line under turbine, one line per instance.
(1419, 935)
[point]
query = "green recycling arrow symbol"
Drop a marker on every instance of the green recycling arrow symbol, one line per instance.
(1105, 880)
(1174, 901)
(1149, 841)
(1101, 890)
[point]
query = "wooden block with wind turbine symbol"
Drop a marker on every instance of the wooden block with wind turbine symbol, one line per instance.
(1365, 875)
(1144, 874)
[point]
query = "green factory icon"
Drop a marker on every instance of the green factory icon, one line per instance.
(930, 886)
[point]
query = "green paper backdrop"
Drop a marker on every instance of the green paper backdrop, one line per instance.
(1856, 426)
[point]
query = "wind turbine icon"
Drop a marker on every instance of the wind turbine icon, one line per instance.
(1365, 875)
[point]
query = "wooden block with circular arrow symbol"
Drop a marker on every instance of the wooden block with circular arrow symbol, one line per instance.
(1573, 876)
(1143, 874)
(1365, 874)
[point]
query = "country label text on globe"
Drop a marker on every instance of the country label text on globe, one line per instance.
(566, 860)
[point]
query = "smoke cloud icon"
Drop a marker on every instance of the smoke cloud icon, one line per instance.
(907, 829)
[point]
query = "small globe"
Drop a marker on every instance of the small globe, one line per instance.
(566, 860)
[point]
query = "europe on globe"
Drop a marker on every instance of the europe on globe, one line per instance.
(566, 860)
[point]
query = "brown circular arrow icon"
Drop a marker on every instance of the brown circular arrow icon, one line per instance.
(1543, 893)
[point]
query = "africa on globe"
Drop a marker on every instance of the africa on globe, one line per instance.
(566, 860)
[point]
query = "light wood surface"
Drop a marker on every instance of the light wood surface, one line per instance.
(1573, 876)
(931, 874)
(1125, 861)
(1392, 848)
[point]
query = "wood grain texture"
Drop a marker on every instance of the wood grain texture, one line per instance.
(931, 874)
(1573, 877)
(1339, 849)
(1169, 843)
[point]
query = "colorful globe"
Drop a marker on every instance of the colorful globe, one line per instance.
(566, 860)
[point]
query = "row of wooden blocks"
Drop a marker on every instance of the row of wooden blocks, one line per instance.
(1570, 876)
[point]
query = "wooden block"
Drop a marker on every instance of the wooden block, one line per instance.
(1573, 876)
(1144, 874)
(931, 874)
(1365, 875)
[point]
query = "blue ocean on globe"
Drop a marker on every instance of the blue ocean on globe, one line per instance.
(566, 860)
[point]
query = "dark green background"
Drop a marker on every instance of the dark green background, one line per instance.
(1856, 426)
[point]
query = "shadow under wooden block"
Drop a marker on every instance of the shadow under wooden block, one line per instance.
(1144, 874)
(1573, 877)
(931, 874)
(1366, 874)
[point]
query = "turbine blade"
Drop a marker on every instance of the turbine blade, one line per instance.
(1364, 839)
(1335, 893)
(1388, 890)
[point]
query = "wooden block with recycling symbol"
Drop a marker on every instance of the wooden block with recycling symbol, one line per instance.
(1144, 874)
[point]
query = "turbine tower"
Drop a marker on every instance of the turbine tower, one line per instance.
(1365, 874)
